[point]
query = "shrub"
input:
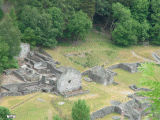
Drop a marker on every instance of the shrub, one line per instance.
(80, 110)
(4, 112)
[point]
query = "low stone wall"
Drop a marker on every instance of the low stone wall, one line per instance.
(75, 94)
(8, 72)
(124, 67)
(45, 58)
(53, 68)
(113, 67)
(85, 72)
(157, 56)
(102, 112)
(37, 59)
(135, 88)
(19, 76)
(4, 94)
(45, 53)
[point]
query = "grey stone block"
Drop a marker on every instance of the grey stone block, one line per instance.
(116, 118)
(88, 79)
(113, 102)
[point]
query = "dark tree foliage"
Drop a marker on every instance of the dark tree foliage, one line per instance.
(88, 6)
(80, 110)
(4, 112)
(155, 21)
(11, 35)
(78, 24)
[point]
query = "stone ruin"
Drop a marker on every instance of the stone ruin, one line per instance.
(100, 75)
(133, 109)
(135, 88)
(39, 73)
(105, 76)
(130, 67)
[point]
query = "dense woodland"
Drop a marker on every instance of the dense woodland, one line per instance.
(43, 22)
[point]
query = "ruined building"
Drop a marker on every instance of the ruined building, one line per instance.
(38, 72)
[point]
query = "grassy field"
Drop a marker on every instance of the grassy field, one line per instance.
(103, 53)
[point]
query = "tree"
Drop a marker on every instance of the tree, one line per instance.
(80, 110)
(125, 32)
(29, 36)
(11, 35)
(4, 48)
(155, 21)
(140, 13)
(49, 33)
(30, 17)
(120, 12)
(58, 20)
(102, 7)
(4, 112)
(154, 84)
(78, 24)
(13, 16)
(139, 10)
(88, 6)
(1, 2)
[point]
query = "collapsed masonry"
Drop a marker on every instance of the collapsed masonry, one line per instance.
(105, 76)
(100, 75)
(132, 109)
(39, 73)
(130, 67)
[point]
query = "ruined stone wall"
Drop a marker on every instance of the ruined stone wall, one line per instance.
(53, 68)
(45, 58)
(124, 67)
(19, 76)
(45, 53)
(96, 78)
(37, 59)
(4, 94)
(102, 112)
(70, 79)
(113, 67)
(86, 72)
(75, 94)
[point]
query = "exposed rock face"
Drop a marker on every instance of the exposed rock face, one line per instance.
(69, 80)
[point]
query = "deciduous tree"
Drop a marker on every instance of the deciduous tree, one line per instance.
(80, 110)
(11, 35)
(78, 24)
(154, 84)
(155, 21)
(4, 112)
